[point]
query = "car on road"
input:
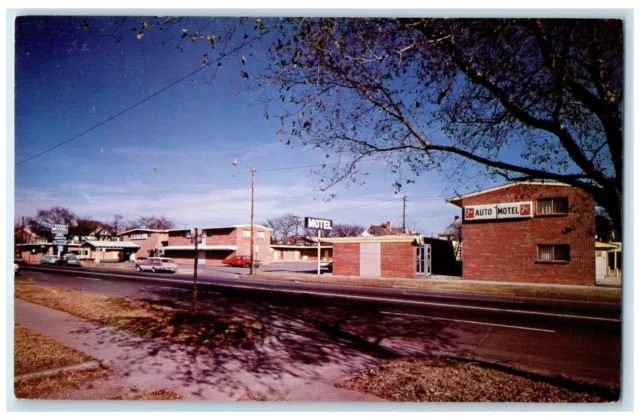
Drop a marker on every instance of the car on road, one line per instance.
(51, 260)
(72, 260)
(157, 264)
(240, 261)
(326, 266)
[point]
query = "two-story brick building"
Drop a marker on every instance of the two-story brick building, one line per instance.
(151, 241)
(530, 232)
(217, 243)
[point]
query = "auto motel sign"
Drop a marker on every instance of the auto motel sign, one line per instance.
(519, 210)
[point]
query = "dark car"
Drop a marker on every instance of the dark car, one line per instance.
(240, 261)
(72, 260)
(51, 260)
(326, 266)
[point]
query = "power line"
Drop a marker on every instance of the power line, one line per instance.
(204, 66)
(296, 167)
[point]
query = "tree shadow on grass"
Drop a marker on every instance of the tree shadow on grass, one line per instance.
(234, 344)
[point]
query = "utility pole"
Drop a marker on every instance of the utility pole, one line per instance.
(253, 197)
(297, 221)
(195, 271)
(404, 210)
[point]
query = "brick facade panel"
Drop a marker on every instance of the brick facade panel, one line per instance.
(506, 250)
(346, 259)
(397, 259)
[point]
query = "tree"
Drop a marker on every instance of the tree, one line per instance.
(518, 99)
(344, 230)
(151, 222)
(116, 225)
(84, 227)
(44, 219)
(284, 229)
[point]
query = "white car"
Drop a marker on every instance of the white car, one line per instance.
(157, 264)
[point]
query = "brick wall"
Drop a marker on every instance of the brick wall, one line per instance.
(243, 244)
(178, 239)
(397, 259)
(506, 250)
(221, 237)
(346, 259)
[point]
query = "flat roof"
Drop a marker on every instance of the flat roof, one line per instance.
(301, 246)
(372, 239)
(218, 227)
(200, 248)
(455, 200)
(144, 230)
(111, 244)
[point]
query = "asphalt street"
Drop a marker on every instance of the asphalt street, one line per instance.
(579, 340)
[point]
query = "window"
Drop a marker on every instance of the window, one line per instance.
(187, 234)
(246, 233)
(260, 234)
(548, 206)
(553, 252)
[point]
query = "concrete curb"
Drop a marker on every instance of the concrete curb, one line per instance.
(49, 372)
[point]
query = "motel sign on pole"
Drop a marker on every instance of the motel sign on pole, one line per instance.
(319, 225)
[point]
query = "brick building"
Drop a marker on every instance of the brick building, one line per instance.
(217, 243)
(375, 256)
(150, 241)
(530, 232)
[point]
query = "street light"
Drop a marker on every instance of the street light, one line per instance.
(253, 190)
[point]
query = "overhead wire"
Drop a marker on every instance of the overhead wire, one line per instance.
(204, 66)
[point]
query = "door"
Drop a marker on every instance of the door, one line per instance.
(601, 265)
(370, 260)
(201, 257)
(423, 259)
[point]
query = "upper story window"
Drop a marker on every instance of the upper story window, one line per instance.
(551, 206)
(187, 234)
(260, 234)
(246, 233)
(550, 253)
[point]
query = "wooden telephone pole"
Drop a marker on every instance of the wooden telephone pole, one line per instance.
(404, 211)
(195, 271)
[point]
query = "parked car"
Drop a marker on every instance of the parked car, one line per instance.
(157, 264)
(51, 260)
(16, 267)
(326, 266)
(18, 260)
(72, 260)
(240, 261)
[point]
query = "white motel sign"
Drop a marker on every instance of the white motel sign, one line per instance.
(315, 223)
(520, 210)
(59, 230)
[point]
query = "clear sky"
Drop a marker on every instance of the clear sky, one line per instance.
(172, 155)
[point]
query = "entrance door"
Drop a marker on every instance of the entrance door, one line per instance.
(201, 257)
(423, 259)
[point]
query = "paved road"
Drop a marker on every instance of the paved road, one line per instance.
(582, 342)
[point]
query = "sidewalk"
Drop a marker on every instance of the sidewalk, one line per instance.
(263, 373)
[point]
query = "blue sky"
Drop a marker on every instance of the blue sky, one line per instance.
(172, 155)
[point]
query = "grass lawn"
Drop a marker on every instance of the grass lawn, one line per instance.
(147, 319)
(35, 353)
(442, 379)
